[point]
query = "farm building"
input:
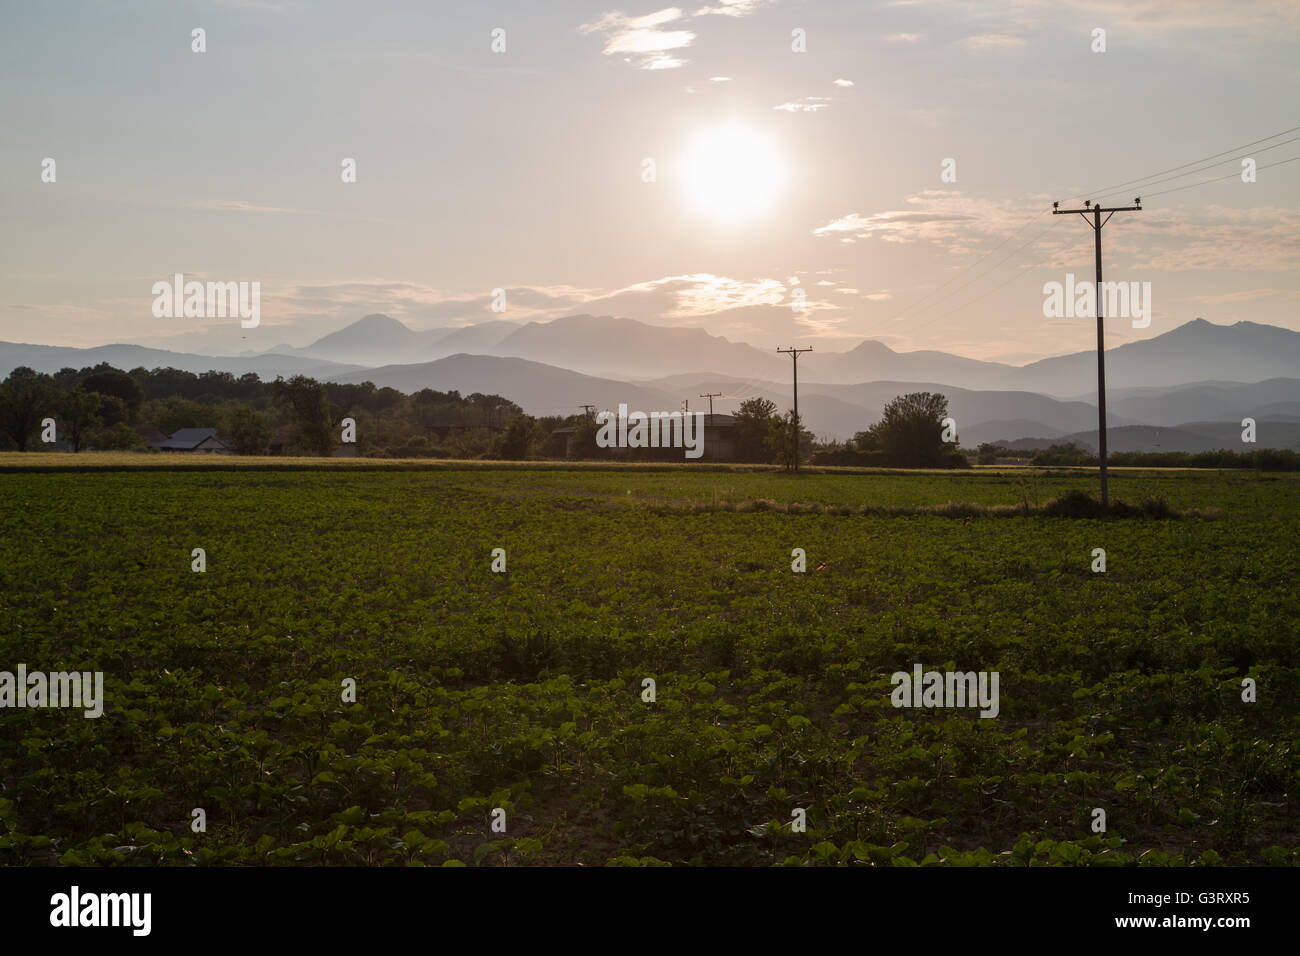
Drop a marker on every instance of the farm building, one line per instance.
(719, 443)
(196, 441)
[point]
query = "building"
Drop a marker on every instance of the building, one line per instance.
(195, 441)
(719, 444)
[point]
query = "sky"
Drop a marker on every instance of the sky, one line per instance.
(686, 166)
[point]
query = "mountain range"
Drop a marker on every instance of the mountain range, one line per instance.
(627, 349)
(1187, 389)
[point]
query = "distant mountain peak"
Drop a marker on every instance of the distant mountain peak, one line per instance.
(378, 319)
(367, 331)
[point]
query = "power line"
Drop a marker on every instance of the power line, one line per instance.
(1235, 149)
(1232, 175)
(988, 272)
(987, 292)
(916, 307)
(1202, 169)
(971, 265)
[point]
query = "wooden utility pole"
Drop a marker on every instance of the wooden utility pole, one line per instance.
(711, 396)
(1097, 223)
(794, 354)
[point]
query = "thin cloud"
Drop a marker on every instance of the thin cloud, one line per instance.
(639, 39)
(994, 41)
(237, 205)
(734, 8)
(1245, 295)
(809, 104)
(932, 216)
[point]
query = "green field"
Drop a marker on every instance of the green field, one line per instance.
(523, 691)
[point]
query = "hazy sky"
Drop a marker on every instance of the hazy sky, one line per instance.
(525, 169)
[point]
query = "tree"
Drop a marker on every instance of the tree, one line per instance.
(1065, 454)
(467, 443)
(752, 429)
(520, 434)
(107, 380)
(584, 439)
(26, 397)
(911, 430)
(80, 413)
(174, 413)
(120, 437)
(310, 408)
(247, 431)
(781, 443)
(868, 440)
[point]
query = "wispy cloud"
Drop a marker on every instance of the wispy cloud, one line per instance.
(639, 39)
(809, 104)
(734, 8)
(1220, 238)
(644, 45)
(237, 205)
(1182, 14)
(1246, 295)
(994, 41)
(934, 215)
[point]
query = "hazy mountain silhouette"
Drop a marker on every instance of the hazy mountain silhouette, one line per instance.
(603, 345)
(1196, 351)
(1214, 375)
(473, 339)
(629, 349)
(875, 361)
(1192, 437)
(51, 358)
(538, 388)
(379, 339)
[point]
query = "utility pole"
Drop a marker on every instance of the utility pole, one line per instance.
(686, 405)
(711, 396)
(588, 409)
(794, 354)
(1096, 224)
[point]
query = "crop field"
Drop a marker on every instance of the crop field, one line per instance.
(504, 717)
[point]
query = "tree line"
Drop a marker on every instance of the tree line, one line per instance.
(106, 408)
(109, 409)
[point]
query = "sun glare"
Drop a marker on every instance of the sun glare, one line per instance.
(732, 174)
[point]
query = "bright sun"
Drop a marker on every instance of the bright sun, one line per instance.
(732, 174)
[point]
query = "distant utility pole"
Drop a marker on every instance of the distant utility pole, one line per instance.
(1097, 223)
(588, 409)
(794, 354)
(686, 405)
(711, 396)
